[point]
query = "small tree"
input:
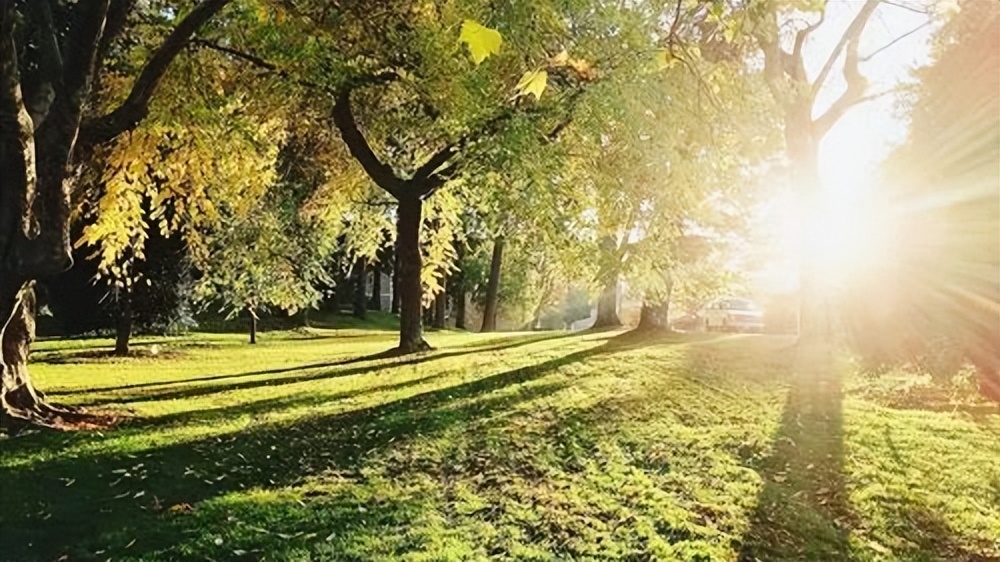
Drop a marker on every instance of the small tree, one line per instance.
(259, 264)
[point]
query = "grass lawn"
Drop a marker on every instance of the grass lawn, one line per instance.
(546, 446)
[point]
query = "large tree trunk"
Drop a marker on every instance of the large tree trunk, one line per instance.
(654, 316)
(411, 333)
(655, 313)
(376, 301)
(458, 288)
(360, 307)
(607, 305)
(440, 308)
(814, 305)
(493, 287)
(21, 404)
(123, 326)
(394, 304)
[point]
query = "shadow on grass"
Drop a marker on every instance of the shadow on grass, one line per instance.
(119, 498)
(186, 388)
(802, 511)
(258, 407)
(931, 539)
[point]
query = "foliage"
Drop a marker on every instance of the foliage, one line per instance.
(196, 162)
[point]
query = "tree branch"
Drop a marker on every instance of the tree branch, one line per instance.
(118, 13)
(872, 55)
(380, 173)
(40, 92)
(574, 100)
(851, 34)
(136, 105)
(433, 176)
(16, 131)
(440, 158)
(247, 57)
(800, 40)
(905, 7)
(853, 94)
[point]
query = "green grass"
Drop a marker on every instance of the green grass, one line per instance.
(523, 446)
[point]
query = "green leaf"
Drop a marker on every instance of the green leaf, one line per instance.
(482, 41)
(532, 82)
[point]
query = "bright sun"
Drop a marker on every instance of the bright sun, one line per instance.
(844, 240)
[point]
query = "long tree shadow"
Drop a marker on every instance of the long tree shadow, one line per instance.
(802, 510)
(188, 388)
(116, 496)
(258, 407)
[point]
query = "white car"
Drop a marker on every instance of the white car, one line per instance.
(733, 315)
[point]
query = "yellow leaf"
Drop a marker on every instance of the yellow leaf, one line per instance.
(583, 69)
(664, 59)
(481, 40)
(263, 14)
(533, 82)
(562, 59)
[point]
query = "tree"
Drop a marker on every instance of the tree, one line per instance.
(493, 287)
(198, 163)
(44, 91)
(674, 156)
(412, 127)
(262, 262)
(805, 119)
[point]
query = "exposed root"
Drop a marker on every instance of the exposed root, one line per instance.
(421, 347)
(21, 409)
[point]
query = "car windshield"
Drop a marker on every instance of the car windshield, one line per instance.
(739, 304)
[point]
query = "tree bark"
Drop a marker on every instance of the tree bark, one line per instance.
(536, 316)
(360, 307)
(21, 402)
(21, 405)
(460, 310)
(440, 308)
(493, 287)
(252, 314)
(394, 303)
(411, 333)
(458, 288)
(607, 305)
(376, 301)
(123, 327)
(656, 315)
